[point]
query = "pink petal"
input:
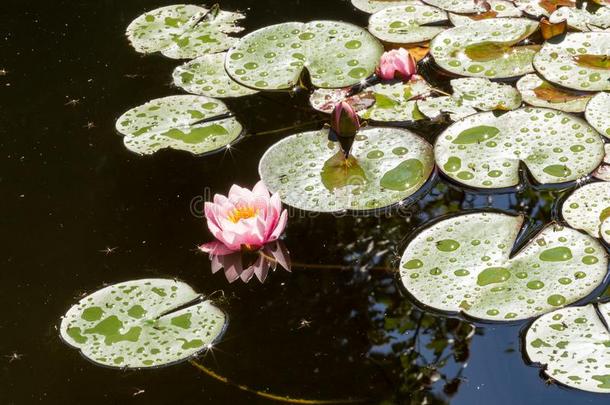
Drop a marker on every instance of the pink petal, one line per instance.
(280, 254)
(261, 190)
(216, 249)
(281, 225)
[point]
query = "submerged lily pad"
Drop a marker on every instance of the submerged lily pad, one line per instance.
(373, 6)
(184, 31)
(407, 24)
(497, 9)
(464, 264)
(587, 207)
(336, 54)
(142, 323)
(581, 61)
(469, 96)
(581, 19)
(307, 170)
(574, 346)
(206, 76)
(486, 48)
(484, 151)
(195, 124)
(540, 93)
(597, 113)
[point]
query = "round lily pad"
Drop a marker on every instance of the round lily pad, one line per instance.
(142, 323)
(587, 207)
(336, 54)
(464, 264)
(540, 93)
(597, 113)
(484, 151)
(195, 124)
(581, 61)
(457, 6)
(486, 48)
(309, 172)
(373, 6)
(407, 24)
(206, 76)
(184, 31)
(574, 346)
(581, 19)
(497, 9)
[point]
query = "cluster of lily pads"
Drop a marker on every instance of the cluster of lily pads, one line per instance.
(516, 101)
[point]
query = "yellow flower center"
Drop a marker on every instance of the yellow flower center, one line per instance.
(239, 213)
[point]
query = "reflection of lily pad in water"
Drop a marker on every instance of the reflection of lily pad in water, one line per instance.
(484, 151)
(540, 93)
(587, 207)
(142, 323)
(463, 264)
(407, 24)
(573, 344)
(486, 48)
(388, 165)
(206, 76)
(184, 31)
(597, 113)
(581, 61)
(336, 54)
(196, 124)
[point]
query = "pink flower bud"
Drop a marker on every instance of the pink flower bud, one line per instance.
(396, 64)
(344, 120)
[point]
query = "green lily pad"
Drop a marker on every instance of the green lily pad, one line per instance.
(604, 230)
(469, 96)
(457, 6)
(407, 24)
(464, 264)
(498, 9)
(373, 6)
(597, 113)
(581, 19)
(581, 61)
(388, 165)
(142, 323)
(540, 93)
(336, 54)
(184, 31)
(206, 76)
(484, 151)
(574, 346)
(587, 207)
(486, 48)
(195, 124)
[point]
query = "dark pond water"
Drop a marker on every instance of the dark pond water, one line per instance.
(69, 192)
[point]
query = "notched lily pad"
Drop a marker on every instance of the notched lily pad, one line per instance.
(206, 76)
(588, 207)
(336, 54)
(306, 169)
(597, 113)
(486, 48)
(497, 9)
(540, 93)
(464, 264)
(373, 6)
(581, 61)
(195, 124)
(484, 151)
(574, 346)
(407, 24)
(142, 323)
(184, 31)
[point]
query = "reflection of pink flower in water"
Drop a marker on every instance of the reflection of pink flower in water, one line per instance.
(245, 265)
(244, 220)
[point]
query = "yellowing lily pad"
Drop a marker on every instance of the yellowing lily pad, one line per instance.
(407, 24)
(184, 31)
(195, 124)
(308, 172)
(540, 93)
(464, 264)
(142, 323)
(486, 48)
(336, 54)
(484, 151)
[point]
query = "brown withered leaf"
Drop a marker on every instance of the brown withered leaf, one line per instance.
(552, 94)
(552, 5)
(550, 30)
(593, 61)
(483, 16)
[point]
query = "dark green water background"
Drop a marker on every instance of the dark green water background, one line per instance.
(68, 192)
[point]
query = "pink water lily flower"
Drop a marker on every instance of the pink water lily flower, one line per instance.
(244, 220)
(396, 64)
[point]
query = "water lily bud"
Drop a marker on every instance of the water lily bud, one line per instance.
(396, 64)
(344, 125)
